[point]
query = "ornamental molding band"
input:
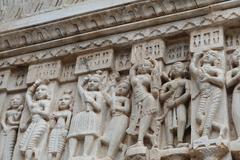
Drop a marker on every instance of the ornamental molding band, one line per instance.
(129, 80)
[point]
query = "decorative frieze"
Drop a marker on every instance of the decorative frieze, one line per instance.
(94, 61)
(4, 78)
(205, 39)
(48, 70)
(153, 49)
(177, 52)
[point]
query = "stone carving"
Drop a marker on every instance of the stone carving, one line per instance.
(123, 62)
(177, 52)
(205, 39)
(175, 95)
(210, 79)
(120, 108)
(153, 49)
(62, 119)
(68, 73)
(86, 124)
(10, 124)
(17, 80)
(232, 80)
(4, 77)
(49, 70)
(232, 39)
(94, 61)
(38, 102)
(144, 105)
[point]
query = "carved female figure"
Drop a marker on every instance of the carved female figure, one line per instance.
(120, 107)
(144, 106)
(210, 81)
(38, 101)
(10, 124)
(174, 95)
(233, 80)
(62, 119)
(86, 124)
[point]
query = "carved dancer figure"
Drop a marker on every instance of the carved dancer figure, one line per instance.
(38, 101)
(10, 125)
(210, 80)
(233, 80)
(62, 117)
(175, 94)
(144, 105)
(86, 124)
(120, 107)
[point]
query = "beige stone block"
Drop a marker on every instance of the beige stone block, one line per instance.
(208, 38)
(94, 61)
(48, 70)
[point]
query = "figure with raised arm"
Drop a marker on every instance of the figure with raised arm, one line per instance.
(86, 124)
(144, 105)
(210, 79)
(120, 107)
(38, 102)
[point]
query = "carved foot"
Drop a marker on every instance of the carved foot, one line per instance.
(180, 145)
(138, 144)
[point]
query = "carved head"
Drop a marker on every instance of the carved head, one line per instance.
(235, 59)
(177, 70)
(145, 67)
(16, 101)
(93, 83)
(65, 101)
(211, 57)
(123, 88)
(41, 92)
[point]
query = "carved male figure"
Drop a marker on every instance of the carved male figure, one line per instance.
(10, 125)
(175, 95)
(86, 124)
(38, 102)
(120, 107)
(210, 80)
(62, 119)
(233, 80)
(144, 104)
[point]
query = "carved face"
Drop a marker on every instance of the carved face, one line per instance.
(16, 101)
(65, 101)
(122, 89)
(41, 92)
(144, 68)
(177, 69)
(208, 58)
(93, 83)
(236, 58)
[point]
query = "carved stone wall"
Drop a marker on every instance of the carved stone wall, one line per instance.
(151, 80)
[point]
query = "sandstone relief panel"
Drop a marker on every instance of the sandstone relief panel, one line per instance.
(158, 99)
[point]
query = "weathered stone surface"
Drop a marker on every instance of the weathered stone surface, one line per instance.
(119, 80)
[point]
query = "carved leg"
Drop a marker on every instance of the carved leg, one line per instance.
(200, 116)
(236, 112)
(58, 156)
(181, 121)
(145, 123)
(213, 108)
(72, 147)
(50, 156)
(168, 129)
(28, 154)
(88, 143)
